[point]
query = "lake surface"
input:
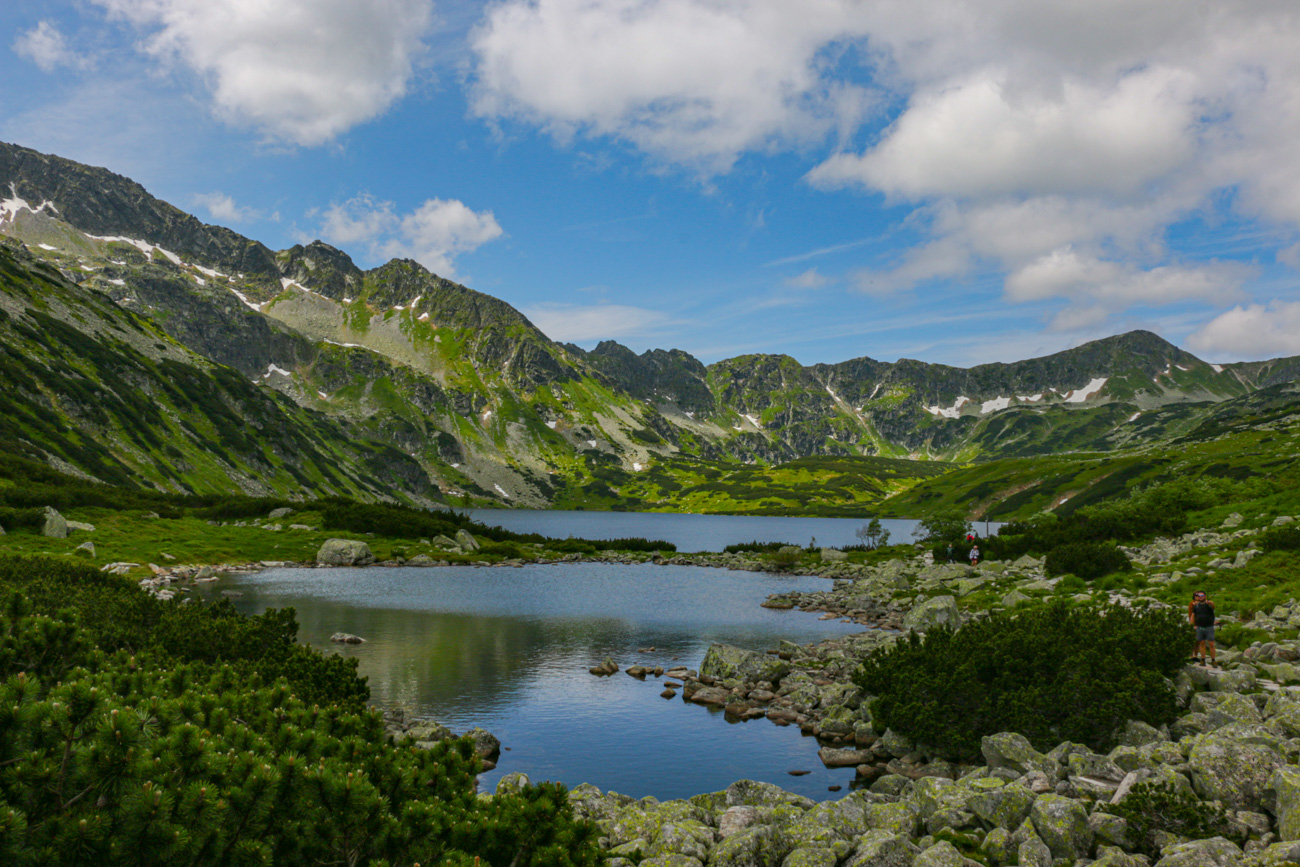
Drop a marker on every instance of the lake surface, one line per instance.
(508, 650)
(693, 532)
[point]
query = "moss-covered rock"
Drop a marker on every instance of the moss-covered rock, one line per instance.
(1062, 823)
(1002, 805)
(1224, 769)
(724, 661)
(1215, 852)
(883, 849)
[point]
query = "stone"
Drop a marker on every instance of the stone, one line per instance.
(998, 846)
(1003, 806)
(1013, 751)
(671, 859)
(1214, 852)
(752, 847)
(607, 666)
(1285, 784)
(428, 732)
(55, 525)
(2, 531)
(936, 611)
(512, 783)
(277, 514)
(345, 552)
(1062, 823)
(346, 638)
(1137, 733)
(735, 820)
(725, 661)
(1224, 769)
(883, 849)
(485, 743)
(88, 547)
(1034, 853)
(78, 525)
(843, 758)
(941, 854)
(1109, 829)
(1233, 520)
(1281, 854)
(755, 794)
(465, 541)
(901, 818)
(833, 555)
(709, 695)
(1014, 598)
(809, 858)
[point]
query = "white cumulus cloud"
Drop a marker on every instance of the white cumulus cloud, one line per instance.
(222, 207)
(304, 71)
(691, 81)
(1251, 331)
(433, 234)
(46, 46)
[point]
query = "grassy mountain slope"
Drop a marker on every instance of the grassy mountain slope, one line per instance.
(95, 387)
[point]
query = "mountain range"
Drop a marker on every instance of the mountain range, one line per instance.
(142, 345)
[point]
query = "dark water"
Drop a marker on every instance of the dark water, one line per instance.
(509, 649)
(692, 532)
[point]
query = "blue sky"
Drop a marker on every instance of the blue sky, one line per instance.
(828, 179)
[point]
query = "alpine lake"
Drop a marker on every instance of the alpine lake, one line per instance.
(508, 649)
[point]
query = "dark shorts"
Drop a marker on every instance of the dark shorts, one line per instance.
(1205, 633)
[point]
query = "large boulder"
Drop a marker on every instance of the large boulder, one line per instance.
(726, 662)
(1062, 823)
(1015, 753)
(55, 525)
(1286, 790)
(344, 552)
(883, 849)
(1214, 852)
(937, 611)
(465, 541)
(1001, 804)
(1225, 769)
(941, 854)
(751, 793)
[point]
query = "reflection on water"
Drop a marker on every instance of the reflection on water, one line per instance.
(508, 649)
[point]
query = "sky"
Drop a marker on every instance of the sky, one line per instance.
(987, 181)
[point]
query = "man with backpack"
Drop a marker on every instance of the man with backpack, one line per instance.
(1200, 614)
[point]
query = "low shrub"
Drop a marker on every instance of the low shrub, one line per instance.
(1151, 808)
(12, 519)
(1285, 538)
(1051, 673)
(786, 557)
(1088, 560)
(1239, 635)
(110, 759)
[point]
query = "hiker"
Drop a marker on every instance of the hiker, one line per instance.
(975, 555)
(951, 554)
(1200, 614)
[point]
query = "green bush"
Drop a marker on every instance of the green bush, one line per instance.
(786, 557)
(1087, 560)
(13, 519)
(1051, 673)
(1160, 807)
(1286, 538)
(114, 615)
(108, 760)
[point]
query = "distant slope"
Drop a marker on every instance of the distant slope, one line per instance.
(94, 388)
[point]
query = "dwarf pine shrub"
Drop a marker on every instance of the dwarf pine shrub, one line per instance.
(1088, 560)
(114, 758)
(1051, 673)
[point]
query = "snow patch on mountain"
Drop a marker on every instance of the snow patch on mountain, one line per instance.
(948, 412)
(997, 403)
(1082, 394)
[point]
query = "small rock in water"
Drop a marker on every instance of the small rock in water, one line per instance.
(833, 788)
(609, 666)
(798, 773)
(233, 594)
(668, 693)
(344, 637)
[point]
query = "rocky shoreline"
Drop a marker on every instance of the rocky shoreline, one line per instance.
(1237, 743)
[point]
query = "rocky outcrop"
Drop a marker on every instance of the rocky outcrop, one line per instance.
(344, 552)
